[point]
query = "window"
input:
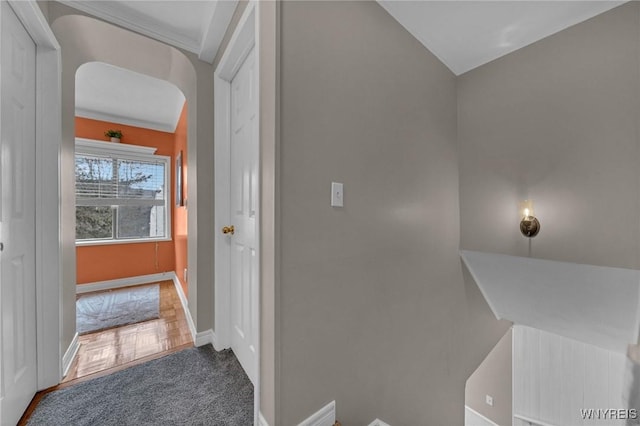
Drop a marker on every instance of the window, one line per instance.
(121, 193)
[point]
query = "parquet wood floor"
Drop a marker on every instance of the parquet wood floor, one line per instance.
(116, 347)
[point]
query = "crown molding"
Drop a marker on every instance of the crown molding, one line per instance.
(215, 29)
(127, 121)
(137, 22)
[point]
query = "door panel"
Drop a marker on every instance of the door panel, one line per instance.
(244, 193)
(17, 218)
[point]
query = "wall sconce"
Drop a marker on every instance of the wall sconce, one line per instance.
(529, 225)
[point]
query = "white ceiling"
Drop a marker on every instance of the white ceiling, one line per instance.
(109, 93)
(462, 34)
(467, 34)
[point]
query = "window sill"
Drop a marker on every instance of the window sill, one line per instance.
(127, 241)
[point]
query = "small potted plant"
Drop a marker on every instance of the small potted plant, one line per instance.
(115, 135)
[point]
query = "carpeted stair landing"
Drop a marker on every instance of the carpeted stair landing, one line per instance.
(197, 386)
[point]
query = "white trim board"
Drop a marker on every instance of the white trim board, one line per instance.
(326, 416)
(70, 354)
(206, 337)
(533, 422)
(378, 422)
(199, 338)
(261, 420)
(124, 282)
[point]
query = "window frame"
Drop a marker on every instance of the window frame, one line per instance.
(122, 151)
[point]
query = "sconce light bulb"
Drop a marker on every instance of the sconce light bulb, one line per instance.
(529, 225)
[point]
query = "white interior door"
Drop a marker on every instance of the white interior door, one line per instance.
(243, 214)
(17, 227)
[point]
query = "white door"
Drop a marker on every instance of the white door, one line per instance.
(17, 221)
(243, 214)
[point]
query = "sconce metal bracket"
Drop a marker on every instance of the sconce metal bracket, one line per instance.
(529, 226)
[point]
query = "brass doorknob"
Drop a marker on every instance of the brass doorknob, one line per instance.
(229, 230)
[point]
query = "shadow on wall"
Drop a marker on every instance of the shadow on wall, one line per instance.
(493, 374)
(486, 321)
(489, 389)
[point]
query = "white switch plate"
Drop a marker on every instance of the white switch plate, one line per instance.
(337, 195)
(489, 400)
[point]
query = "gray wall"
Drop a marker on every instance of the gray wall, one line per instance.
(374, 308)
(493, 377)
(556, 121)
(85, 39)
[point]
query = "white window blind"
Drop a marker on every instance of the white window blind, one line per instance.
(120, 196)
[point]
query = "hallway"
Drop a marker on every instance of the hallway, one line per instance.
(107, 351)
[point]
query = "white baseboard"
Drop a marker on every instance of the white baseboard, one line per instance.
(206, 337)
(185, 305)
(199, 338)
(261, 420)
(326, 416)
(124, 282)
(378, 422)
(70, 354)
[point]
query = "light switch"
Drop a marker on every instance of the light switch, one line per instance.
(337, 194)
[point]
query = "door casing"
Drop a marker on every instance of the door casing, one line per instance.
(244, 39)
(48, 143)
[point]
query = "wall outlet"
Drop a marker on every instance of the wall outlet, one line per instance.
(489, 400)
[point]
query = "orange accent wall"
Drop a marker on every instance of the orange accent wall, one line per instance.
(180, 213)
(113, 261)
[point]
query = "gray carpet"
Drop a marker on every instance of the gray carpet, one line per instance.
(108, 309)
(197, 386)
